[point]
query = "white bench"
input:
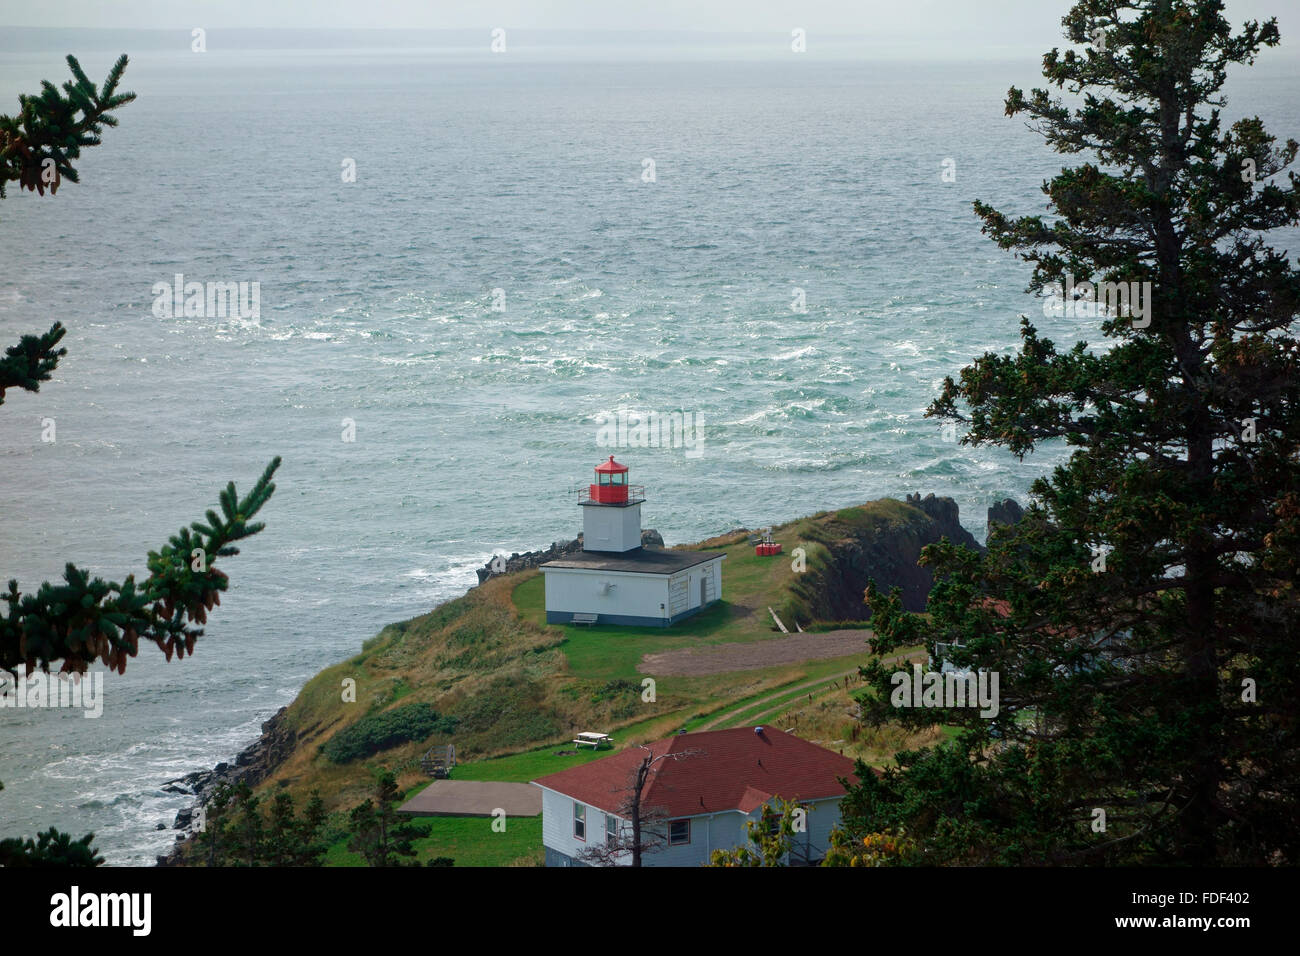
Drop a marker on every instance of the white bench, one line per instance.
(593, 740)
(585, 618)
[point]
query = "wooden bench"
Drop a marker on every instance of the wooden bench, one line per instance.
(585, 618)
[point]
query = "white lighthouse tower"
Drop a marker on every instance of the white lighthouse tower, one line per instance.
(611, 511)
(614, 580)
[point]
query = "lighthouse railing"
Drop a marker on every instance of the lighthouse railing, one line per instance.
(635, 493)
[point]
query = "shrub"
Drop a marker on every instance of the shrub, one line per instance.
(614, 690)
(377, 732)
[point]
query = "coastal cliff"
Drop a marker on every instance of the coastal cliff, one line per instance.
(880, 542)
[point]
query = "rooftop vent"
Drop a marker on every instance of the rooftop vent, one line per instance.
(758, 729)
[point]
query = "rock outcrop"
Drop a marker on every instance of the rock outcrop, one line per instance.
(880, 541)
(1004, 512)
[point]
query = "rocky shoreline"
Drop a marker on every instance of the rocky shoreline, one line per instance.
(251, 765)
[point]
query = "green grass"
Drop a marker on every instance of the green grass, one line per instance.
(521, 768)
(470, 841)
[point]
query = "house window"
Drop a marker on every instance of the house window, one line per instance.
(611, 829)
(679, 832)
(774, 819)
(579, 821)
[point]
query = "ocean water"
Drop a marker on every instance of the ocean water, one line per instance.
(473, 174)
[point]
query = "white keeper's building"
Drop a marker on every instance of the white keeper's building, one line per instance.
(614, 580)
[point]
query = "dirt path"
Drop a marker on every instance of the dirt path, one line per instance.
(724, 658)
(820, 682)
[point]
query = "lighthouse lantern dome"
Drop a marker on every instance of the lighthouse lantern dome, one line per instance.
(610, 486)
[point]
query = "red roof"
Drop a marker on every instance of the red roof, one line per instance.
(610, 466)
(1002, 608)
(716, 770)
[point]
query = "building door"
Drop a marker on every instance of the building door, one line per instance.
(708, 587)
(677, 595)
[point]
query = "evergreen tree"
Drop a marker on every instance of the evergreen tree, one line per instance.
(292, 840)
(39, 143)
(1143, 617)
(49, 849)
(310, 847)
(86, 618)
(281, 831)
(377, 833)
(211, 838)
(237, 832)
(247, 829)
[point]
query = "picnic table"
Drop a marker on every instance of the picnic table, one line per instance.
(594, 740)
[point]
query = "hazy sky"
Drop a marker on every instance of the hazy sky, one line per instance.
(950, 24)
(917, 29)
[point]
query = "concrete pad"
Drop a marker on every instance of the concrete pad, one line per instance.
(474, 798)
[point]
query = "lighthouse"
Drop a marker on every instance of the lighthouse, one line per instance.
(616, 580)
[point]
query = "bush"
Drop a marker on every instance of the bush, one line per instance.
(377, 732)
(614, 690)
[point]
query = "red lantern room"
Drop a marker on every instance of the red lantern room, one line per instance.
(610, 487)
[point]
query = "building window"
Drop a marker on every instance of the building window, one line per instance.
(679, 832)
(770, 819)
(611, 829)
(774, 819)
(579, 821)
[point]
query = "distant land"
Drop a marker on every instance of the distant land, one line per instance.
(523, 42)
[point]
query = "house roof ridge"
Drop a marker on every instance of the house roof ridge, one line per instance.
(732, 768)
